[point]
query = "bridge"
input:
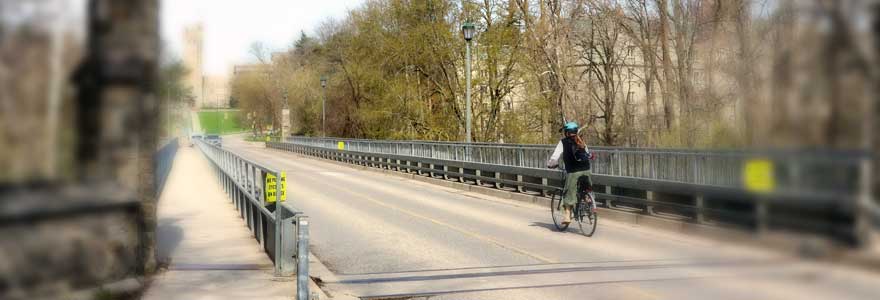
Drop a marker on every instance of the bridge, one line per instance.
(388, 229)
(99, 200)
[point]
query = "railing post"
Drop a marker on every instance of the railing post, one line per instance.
(701, 205)
(522, 158)
(285, 258)
(762, 213)
(302, 257)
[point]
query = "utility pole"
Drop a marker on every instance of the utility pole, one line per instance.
(285, 113)
(323, 106)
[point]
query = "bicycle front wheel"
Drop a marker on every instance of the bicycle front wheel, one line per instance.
(557, 212)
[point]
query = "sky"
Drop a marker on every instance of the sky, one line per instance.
(231, 26)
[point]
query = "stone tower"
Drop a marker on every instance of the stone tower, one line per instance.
(193, 39)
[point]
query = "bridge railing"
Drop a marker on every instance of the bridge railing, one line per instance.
(164, 159)
(811, 190)
(282, 232)
(796, 170)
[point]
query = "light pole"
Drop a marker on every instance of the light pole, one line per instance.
(219, 119)
(323, 106)
(285, 113)
(468, 30)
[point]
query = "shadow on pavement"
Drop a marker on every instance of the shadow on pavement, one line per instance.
(168, 237)
(548, 226)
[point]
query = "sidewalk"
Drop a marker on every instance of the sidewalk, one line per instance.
(208, 251)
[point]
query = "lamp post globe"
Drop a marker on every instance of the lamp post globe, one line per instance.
(468, 30)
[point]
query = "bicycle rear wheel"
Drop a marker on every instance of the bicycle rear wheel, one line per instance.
(586, 218)
(557, 212)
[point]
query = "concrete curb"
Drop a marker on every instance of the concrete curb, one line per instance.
(320, 272)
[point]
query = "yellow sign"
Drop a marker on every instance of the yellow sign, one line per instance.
(267, 138)
(341, 146)
(758, 176)
(283, 192)
(273, 191)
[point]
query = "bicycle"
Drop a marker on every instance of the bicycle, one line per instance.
(584, 212)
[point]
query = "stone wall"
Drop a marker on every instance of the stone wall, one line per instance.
(96, 225)
(60, 240)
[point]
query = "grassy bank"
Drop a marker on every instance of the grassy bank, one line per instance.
(220, 122)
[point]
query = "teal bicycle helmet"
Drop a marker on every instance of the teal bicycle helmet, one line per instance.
(570, 127)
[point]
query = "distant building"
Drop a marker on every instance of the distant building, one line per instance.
(261, 68)
(239, 70)
(216, 92)
(193, 42)
(209, 91)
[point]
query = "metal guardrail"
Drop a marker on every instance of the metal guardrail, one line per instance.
(164, 159)
(801, 171)
(282, 231)
(813, 189)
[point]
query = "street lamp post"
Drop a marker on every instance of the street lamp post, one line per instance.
(285, 112)
(468, 30)
(323, 106)
(219, 122)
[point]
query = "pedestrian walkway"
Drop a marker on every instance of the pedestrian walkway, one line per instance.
(207, 248)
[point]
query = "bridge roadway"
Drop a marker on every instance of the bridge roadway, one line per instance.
(385, 236)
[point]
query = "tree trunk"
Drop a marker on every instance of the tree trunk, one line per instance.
(744, 74)
(785, 109)
(665, 86)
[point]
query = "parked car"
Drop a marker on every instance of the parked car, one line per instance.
(214, 139)
(193, 138)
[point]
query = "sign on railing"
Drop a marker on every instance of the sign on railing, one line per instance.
(273, 190)
(758, 176)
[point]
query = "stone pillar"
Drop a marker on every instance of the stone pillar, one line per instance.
(875, 141)
(117, 107)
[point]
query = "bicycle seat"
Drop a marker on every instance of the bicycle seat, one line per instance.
(585, 183)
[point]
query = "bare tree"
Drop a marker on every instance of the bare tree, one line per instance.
(639, 23)
(604, 53)
(665, 85)
(501, 45)
(552, 54)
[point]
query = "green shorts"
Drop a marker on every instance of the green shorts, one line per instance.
(570, 197)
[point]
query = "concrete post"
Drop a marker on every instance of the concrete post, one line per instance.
(762, 214)
(650, 196)
(700, 202)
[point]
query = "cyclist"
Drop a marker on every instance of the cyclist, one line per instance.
(576, 158)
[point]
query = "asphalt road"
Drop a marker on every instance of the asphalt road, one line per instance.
(384, 236)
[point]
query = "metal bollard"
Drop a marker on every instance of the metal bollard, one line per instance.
(302, 257)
